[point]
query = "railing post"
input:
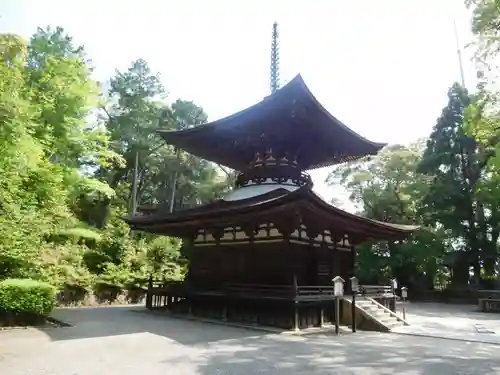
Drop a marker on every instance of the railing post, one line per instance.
(393, 290)
(354, 291)
(149, 293)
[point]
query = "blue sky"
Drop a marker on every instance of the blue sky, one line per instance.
(382, 67)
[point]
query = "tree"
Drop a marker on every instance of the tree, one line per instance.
(387, 187)
(485, 25)
(457, 164)
(32, 190)
(63, 144)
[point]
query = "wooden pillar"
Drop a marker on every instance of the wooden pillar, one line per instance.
(392, 302)
(296, 316)
(224, 313)
(353, 263)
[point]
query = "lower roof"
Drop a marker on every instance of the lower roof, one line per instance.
(226, 213)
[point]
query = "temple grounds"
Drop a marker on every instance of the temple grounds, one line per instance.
(125, 340)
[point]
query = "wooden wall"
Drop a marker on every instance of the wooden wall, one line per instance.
(273, 263)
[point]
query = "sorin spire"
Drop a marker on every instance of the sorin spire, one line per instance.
(275, 60)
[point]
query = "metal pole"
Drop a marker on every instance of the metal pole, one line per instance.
(459, 53)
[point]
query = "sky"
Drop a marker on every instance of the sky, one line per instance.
(382, 67)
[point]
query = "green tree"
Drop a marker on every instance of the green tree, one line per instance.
(32, 190)
(457, 164)
(485, 25)
(387, 187)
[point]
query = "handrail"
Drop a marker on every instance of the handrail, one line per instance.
(365, 290)
(368, 314)
(392, 313)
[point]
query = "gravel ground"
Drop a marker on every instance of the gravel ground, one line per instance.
(125, 341)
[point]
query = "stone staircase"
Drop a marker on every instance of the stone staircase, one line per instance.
(375, 316)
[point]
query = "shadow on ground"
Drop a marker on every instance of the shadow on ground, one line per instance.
(214, 349)
(126, 320)
(364, 354)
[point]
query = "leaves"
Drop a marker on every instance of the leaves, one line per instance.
(67, 154)
(388, 187)
(485, 25)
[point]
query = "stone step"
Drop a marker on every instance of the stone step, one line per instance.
(378, 313)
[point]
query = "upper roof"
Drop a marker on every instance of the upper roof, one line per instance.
(226, 213)
(290, 121)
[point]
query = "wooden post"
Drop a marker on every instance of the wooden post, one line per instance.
(296, 316)
(224, 313)
(353, 311)
(393, 291)
(149, 293)
(337, 315)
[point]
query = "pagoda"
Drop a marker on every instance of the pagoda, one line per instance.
(268, 251)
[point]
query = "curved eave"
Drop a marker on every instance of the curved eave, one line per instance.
(306, 93)
(213, 214)
(206, 212)
(229, 121)
(393, 230)
(193, 140)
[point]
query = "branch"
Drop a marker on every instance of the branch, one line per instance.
(228, 173)
(110, 118)
(400, 204)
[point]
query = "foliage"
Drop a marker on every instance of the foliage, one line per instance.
(449, 185)
(387, 187)
(27, 296)
(67, 154)
(485, 25)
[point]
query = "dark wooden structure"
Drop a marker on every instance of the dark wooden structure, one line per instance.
(267, 252)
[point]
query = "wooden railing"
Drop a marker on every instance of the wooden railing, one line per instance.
(376, 290)
(270, 291)
(161, 294)
(315, 290)
(385, 295)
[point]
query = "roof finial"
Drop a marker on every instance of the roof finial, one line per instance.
(275, 60)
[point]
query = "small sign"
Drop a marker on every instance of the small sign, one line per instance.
(338, 286)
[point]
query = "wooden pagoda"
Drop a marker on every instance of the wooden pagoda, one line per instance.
(268, 251)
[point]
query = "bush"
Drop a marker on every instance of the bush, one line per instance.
(25, 301)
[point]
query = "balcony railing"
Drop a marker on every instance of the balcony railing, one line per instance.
(275, 175)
